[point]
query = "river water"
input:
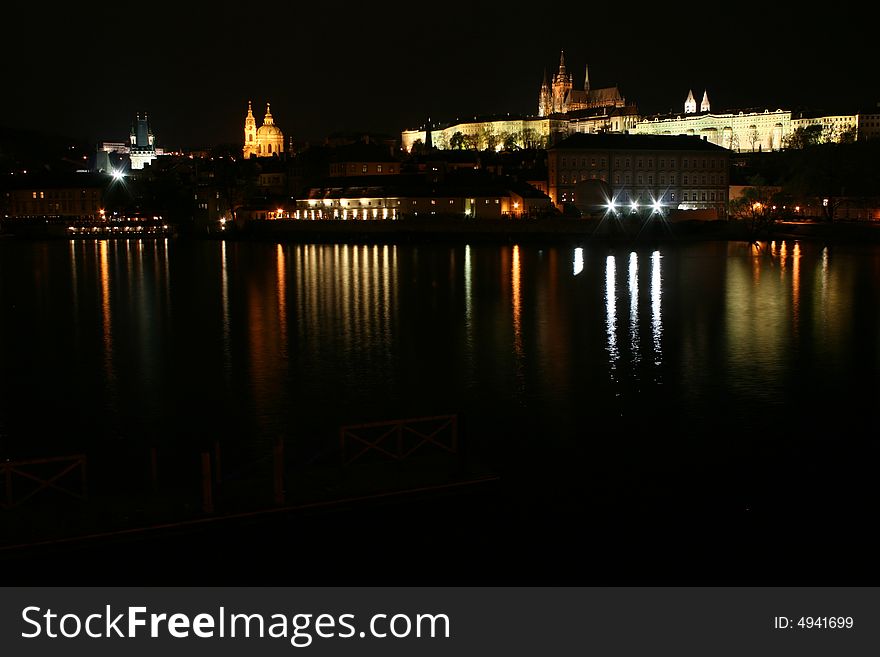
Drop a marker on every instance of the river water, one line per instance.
(715, 376)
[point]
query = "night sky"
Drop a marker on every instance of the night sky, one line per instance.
(84, 69)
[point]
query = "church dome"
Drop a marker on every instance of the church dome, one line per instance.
(268, 131)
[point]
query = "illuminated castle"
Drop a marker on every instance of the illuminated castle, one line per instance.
(265, 141)
(559, 96)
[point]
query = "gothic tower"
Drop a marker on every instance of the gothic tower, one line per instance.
(562, 84)
(250, 133)
(704, 106)
(587, 80)
(690, 104)
(545, 98)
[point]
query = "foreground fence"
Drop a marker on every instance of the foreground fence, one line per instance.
(24, 479)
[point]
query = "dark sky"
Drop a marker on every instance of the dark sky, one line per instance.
(84, 69)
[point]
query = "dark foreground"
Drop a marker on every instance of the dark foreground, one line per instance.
(805, 529)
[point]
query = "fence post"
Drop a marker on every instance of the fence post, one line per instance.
(207, 493)
(278, 469)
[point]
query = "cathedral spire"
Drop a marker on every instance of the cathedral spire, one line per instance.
(704, 106)
(561, 62)
(250, 113)
(268, 120)
(587, 78)
(690, 104)
(545, 83)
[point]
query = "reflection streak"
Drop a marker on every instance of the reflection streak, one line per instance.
(281, 286)
(656, 322)
(611, 311)
(104, 265)
(634, 306)
(517, 307)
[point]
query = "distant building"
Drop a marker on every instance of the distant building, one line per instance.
(143, 144)
(830, 127)
(265, 141)
(737, 131)
(363, 159)
(869, 124)
(385, 197)
(685, 173)
(75, 196)
(491, 132)
(140, 149)
(757, 130)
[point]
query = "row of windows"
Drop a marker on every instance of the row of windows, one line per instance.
(640, 162)
(64, 193)
(669, 197)
(641, 179)
(54, 206)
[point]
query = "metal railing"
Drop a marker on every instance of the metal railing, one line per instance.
(44, 474)
(398, 439)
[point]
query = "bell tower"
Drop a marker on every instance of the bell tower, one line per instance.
(250, 133)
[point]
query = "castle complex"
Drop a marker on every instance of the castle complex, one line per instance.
(564, 110)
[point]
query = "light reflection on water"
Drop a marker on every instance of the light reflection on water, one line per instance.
(611, 313)
(634, 308)
(656, 300)
(315, 333)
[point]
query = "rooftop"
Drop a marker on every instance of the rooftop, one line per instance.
(615, 141)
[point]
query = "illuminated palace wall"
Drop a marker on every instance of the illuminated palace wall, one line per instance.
(743, 131)
(524, 132)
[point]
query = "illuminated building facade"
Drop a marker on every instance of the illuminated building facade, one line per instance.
(754, 131)
(494, 133)
(686, 173)
(372, 198)
(142, 148)
(740, 131)
(265, 141)
(831, 127)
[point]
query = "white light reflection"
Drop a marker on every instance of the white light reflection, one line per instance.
(634, 307)
(611, 311)
(656, 322)
(578, 261)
